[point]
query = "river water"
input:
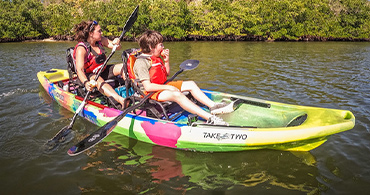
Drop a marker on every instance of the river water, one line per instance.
(323, 74)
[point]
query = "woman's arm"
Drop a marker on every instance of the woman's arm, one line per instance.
(80, 61)
(108, 43)
(80, 70)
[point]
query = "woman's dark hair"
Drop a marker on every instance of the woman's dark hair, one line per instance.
(149, 39)
(82, 30)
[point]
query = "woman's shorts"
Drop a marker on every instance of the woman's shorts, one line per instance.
(106, 74)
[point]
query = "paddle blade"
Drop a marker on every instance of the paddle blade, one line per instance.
(64, 136)
(130, 21)
(60, 136)
(93, 139)
(189, 64)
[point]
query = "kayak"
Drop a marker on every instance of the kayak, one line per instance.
(255, 124)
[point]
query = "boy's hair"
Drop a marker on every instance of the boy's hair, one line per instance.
(149, 39)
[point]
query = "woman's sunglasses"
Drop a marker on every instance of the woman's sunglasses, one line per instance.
(92, 25)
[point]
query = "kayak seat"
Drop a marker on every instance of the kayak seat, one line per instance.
(77, 87)
(153, 108)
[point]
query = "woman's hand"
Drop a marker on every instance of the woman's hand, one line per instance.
(90, 85)
(116, 41)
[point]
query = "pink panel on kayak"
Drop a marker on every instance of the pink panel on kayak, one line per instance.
(110, 112)
(165, 134)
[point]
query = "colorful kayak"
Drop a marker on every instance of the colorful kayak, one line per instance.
(255, 124)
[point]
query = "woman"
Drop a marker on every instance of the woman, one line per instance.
(89, 55)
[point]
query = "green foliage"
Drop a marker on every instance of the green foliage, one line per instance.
(171, 18)
(111, 16)
(21, 19)
(354, 18)
(271, 19)
(58, 20)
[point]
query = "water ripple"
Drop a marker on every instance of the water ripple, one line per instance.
(328, 74)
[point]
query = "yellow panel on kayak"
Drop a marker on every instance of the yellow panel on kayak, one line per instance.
(55, 75)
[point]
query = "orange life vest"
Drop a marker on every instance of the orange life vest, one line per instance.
(157, 71)
(93, 61)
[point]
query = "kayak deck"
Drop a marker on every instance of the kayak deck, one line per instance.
(256, 124)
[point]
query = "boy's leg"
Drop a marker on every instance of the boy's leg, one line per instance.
(184, 102)
(198, 94)
(216, 108)
(189, 106)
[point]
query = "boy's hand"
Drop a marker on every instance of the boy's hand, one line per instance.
(166, 55)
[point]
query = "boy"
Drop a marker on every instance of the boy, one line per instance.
(151, 69)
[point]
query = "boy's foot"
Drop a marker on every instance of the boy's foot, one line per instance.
(224, 108)
(215, 120)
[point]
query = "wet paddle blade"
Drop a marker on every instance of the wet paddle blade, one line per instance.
(64, 136)
(185, 65)
(93, 139)
(130, 21)
(60, 136)
(96, 137)
(189, 64)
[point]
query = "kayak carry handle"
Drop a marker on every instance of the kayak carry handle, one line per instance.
(254, 103)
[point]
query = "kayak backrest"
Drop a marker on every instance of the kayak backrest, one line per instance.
(74, 83)
(71, 62)
(126, 65)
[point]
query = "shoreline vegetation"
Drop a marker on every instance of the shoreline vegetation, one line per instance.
(191, 20)
(197, 38)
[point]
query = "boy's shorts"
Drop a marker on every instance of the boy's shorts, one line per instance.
(176, 84)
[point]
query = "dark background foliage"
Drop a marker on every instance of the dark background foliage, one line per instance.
(191, 19)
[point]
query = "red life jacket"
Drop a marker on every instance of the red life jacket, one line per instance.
(157, 71)
(93, 61)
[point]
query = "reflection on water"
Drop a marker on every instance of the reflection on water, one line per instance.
(207, 171)
(327, 74)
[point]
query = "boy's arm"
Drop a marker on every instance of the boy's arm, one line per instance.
(141, 70)
(166, 57)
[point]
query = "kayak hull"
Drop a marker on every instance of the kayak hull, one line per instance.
(256, 124)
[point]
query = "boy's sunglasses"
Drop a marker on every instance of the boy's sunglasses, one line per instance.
(92, 25)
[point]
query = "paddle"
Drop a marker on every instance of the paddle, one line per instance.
(60, 136)
(94, 138)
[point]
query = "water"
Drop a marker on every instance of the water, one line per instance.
(323, 74)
